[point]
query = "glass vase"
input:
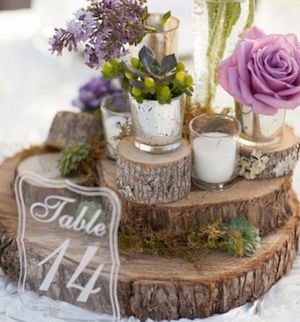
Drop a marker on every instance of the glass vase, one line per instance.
(163, 42)
(217, 26)
(158, 128)
(117, 121)
(260, 132)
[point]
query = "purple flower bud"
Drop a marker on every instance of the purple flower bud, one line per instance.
(92, 93)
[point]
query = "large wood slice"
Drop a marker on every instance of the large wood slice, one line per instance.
(266, 203)
(153, 178)
(163, 288)
(281, 160)
(69, 127)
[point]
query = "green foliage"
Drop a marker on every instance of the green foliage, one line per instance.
(222, 18)
(238, 238)
(147, 78)
(164, 19)
(125, 130)
(241, 238)
(72, 157)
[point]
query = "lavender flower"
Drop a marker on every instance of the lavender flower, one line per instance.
(92, 93)
(105, 27)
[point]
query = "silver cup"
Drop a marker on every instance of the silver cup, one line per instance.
(260, 131)
(157, 128)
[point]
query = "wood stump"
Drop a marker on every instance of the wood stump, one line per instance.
(281, 160)
(68, 128)
(168, 288)
(153, 178)
(266, 204)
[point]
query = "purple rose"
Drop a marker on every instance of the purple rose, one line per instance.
(263, 72)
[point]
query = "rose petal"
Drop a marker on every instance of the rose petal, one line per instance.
(222, 74)
(258, 83)
(233, 82)
(291, 91)
(253, 33)
(279, 103)
(246, 93)
(261, 108)
(242, 56)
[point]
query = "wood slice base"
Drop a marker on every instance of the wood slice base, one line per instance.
(266, 204)
(281, 160)
(165, 288)
(153, 179)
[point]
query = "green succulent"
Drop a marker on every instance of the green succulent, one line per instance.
(241, 238)
(147, 78)
(72, 157)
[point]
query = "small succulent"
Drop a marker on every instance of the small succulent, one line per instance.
(241, 238)
(72, 157)
(147, 78)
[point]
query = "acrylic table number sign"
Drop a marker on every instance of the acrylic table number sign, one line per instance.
(68, 249)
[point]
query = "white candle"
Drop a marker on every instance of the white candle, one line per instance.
(112, 128)
(214, 157)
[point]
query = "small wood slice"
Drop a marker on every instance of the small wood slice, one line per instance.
(153, 179)
(68, 128)
(282, 160)
(265, 203)
(162, 288)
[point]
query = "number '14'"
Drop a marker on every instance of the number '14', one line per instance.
(87, 257)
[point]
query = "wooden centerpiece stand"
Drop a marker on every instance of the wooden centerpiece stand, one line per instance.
(155, 191)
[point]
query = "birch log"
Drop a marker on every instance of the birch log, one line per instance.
(153, 178)
(280, 161)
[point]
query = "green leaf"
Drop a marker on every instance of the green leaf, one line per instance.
(164, 19)
(168, 63)
(149, 62)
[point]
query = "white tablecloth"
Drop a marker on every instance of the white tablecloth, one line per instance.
(33, 87)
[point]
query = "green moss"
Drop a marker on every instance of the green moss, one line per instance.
(238, 238)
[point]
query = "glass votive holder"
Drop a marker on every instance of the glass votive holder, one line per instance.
(215, 144)
(116, 120)
(163, 42)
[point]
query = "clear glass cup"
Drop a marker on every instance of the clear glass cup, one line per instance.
(215, 144)
(164, 42)
(117, 121)
(260, 131)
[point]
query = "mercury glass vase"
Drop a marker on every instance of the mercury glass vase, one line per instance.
(157, 127)
(260, 131)
(163, 42)
(217, 27)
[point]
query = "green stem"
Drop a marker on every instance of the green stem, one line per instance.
(223, 16)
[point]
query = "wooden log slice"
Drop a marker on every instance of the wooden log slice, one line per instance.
(164, 288)
(265, 203)
(277, 162)
(69, 127)
(153, 179)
